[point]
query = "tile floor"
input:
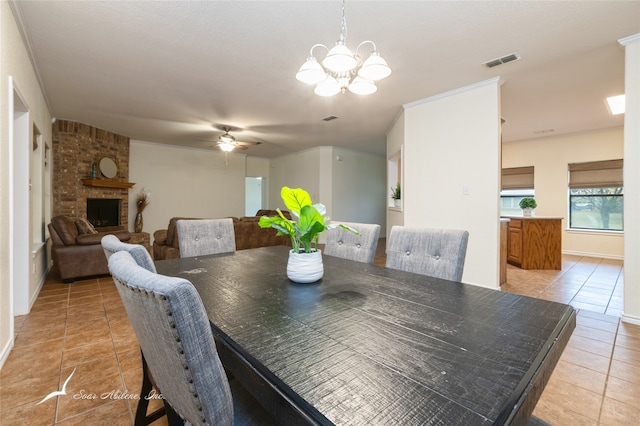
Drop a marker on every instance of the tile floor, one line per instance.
(83, 329)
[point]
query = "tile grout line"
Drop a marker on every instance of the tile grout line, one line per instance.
(64, 339)
(606, 381)
(118, 361)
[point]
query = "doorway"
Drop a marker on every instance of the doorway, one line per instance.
(19, 217)
(255, 195)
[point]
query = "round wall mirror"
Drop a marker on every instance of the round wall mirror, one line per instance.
(108, 168)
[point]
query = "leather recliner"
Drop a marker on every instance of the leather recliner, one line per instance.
(79, 254)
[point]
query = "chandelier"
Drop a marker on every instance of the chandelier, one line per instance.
(342, 70)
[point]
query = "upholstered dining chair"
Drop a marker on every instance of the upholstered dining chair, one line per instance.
(347, 245)
(174, 332)
(111, 244)
(205, 236)
(438, 253)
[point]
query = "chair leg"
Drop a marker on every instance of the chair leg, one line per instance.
(141, 412)
(172, 417)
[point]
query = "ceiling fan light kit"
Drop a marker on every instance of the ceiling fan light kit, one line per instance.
(341, 69)
(228, 143)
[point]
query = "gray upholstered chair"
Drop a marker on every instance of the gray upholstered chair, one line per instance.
(111, 244)
(437, 253)
(175, 335)
(205, 236)
(347, 245)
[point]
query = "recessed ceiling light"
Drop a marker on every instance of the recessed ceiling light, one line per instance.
(615, 104)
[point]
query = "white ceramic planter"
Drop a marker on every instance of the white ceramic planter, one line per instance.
(528, 212)
(305, 268)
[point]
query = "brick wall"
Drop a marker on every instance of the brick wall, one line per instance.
(76, 147)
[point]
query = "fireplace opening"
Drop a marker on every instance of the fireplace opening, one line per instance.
(103, 212)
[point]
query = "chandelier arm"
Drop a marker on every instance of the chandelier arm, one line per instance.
(314, 46)
(341, 69)
(375, 48)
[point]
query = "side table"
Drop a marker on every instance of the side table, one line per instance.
(142, 238)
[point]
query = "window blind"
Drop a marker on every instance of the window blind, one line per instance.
(517, 178)
(596, 174)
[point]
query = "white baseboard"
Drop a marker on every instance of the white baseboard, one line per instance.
(630, 319)
(43, 278)
(6, 351)
(587, 254)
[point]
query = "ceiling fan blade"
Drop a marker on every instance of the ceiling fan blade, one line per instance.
(247, 143)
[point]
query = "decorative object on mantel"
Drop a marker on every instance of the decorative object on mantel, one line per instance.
(341, 69)
(305, 263)
(108, 167)
(142, 201)
(396, 195)
(527, 204)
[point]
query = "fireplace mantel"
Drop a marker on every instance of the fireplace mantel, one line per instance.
(105, 183)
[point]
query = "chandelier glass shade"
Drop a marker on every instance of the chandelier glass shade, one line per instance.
(341, 70)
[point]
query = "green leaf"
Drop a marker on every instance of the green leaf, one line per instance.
(348, 228)
(295, 199)
(267, 222)
(309, 216)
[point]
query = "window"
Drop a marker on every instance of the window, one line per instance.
(517, 183)
(596, 195)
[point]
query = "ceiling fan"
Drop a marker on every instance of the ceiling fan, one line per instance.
(228, 143)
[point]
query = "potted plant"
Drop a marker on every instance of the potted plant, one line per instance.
(527, 204)
(396, 195)
(305, 259)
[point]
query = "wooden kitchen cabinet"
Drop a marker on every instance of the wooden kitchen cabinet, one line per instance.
(535, 242)
(504, 238)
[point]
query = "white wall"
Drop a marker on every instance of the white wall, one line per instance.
(395, 141)
(296, 170)
(550, 157)
(351, 184)
(452, 142)
(632, 181)
(257, 167)
(198, 183)
(185, 182)
(358, 187)
(15, 66)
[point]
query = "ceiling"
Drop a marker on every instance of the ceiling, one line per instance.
(168, 72)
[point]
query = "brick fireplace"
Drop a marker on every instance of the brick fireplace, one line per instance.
(77, 147)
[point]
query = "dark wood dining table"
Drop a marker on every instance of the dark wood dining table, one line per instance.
(369, 345)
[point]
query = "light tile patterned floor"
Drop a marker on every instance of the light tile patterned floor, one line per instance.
(83, 327)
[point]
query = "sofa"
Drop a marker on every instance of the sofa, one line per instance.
(246, 231)
(76, 248)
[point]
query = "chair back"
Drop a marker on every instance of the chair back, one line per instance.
(347, 245)
(112, 244)
(437, 253)
(175, 335)
(206, 236)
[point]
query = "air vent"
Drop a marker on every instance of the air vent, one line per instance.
(508, 58)
(331, 117)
